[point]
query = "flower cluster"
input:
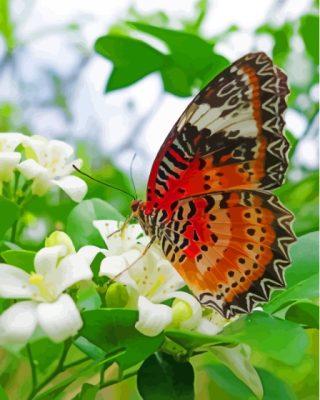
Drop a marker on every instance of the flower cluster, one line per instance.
(137, 281)
(44, 163)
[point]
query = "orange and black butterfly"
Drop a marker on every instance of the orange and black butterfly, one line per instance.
(209, 203)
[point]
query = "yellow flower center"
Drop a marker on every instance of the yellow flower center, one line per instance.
(157, 284)
(38, 281)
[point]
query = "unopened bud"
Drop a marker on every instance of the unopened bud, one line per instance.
(117, 296)
(58, 238)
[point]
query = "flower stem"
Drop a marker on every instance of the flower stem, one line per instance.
(33, 368)
(59, 368)
(114, 381)
(14, 231)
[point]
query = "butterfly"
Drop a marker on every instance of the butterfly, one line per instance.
(209, 203)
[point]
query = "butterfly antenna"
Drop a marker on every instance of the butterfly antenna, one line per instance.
(131, 175)
(102, 183)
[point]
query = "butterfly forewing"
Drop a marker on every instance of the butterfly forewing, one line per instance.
(207, 199)
(229, 136)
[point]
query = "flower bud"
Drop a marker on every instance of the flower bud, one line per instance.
(117, 295)
(58, 238)
(181, 311)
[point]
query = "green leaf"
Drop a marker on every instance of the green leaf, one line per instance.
(309, 30)
(185, 69)
(302, 276)
(112, 329)
(9, 212)
(89, 349)
(45, 353)
(190, 340)
(234, 389)
(3, 395)
(237, 359)
(132, 59)
(162, 377)
(80, 221)
(88, 392)
(88, 298)
(304, 313)
(279, 339)
(23, 259)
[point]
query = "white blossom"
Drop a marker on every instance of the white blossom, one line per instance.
(44, 304)
(150, 281)
(49, 163)
(9, 157)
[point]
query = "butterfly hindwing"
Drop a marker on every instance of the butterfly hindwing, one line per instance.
(230, 136)
(230, 247)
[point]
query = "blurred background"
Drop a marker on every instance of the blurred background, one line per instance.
(112, 97)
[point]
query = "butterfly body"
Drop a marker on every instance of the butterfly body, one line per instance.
(208, 200)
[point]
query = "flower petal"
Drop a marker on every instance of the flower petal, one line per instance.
(89, 253)
(153, 318)
(18, 323)
(8, 162)
(117, 266)
(14, 283)
(120, 241)
(10, 140)
(207, 327)
(71, 269)
(46, 260)
(31, 169)
(59, 320)
(75, 187)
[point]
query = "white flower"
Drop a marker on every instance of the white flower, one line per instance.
(9, 158)
(49, 163)
(150, 280)
(56, 269)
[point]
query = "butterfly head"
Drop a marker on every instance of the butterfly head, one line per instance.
(135, 206)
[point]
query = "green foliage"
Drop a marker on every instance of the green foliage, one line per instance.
(23, 259)
(181, 70)
(227, 384)
(9, 212)
(88, 392)
(114, 330)
(309, 30)
(162, 377)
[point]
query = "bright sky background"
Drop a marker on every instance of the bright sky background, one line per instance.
(106, 119)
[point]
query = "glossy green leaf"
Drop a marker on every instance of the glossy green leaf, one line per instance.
(9, 212)
(309, 30)
(132, 59)
(237, 359)
(302, 276)
(88, 392)
(304, 313)
(232, 388)
(23, 259)
(162, 377)
(80, 222)
(191, 340)
(113, 329)
(279, 339)
(185, 69)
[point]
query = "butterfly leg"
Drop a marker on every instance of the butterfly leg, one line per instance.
(123, 227)
(145, 250)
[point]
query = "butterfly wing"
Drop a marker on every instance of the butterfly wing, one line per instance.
(230, 247)
(224, 232)
(230, 136)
